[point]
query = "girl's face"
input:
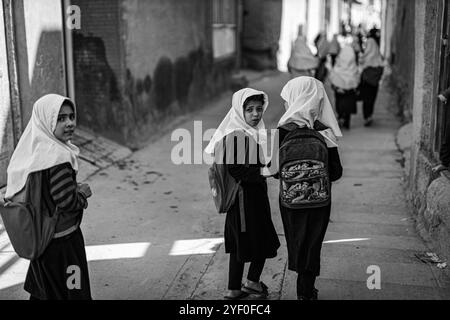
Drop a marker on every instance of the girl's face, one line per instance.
(66, 123)
(253, 112)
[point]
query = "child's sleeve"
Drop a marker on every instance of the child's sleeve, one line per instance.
(64, 189)
(242, 171)
(334, 164)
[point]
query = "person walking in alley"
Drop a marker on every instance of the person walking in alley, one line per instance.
(371, 64)
(305, 173)
(302, 62)
(45, 151)
(344, 78)
(250, 235)
(323, 47)
(444, 151)
(335, 48)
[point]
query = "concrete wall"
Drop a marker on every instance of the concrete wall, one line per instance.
(261, 33)
(141, 63)
(402, 54)
(6, 123)
(31, 37)
(98, 68)
(40, 60)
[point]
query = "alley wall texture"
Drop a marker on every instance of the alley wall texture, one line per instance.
(140, 63)
(418, 76)
(38, 35)
(32, 64)
(402, 54)
(261, 33)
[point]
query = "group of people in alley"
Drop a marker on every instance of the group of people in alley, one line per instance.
(306, 163)
(352, 63)
(44, 168)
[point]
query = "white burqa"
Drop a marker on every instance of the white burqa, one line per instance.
(307, 102)
(38, 148)
(345, 73)
(301, 56)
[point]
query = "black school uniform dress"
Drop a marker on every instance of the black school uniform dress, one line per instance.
(54, 275)
(305, 228)
(346, 105)
(259, 241)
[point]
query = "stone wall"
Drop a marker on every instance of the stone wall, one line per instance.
(428, 193)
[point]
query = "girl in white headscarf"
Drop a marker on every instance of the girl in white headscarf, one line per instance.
(302, 62)
(251, 236)
(371, 64)
(344, 78)
(45, 152)
(307, 105)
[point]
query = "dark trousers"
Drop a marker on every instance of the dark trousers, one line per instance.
(345, 105)
(444, 152)
(369, 95)
(305, 284)
(236, 272)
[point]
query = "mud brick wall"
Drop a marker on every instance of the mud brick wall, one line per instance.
(98, 67)
(139, 64)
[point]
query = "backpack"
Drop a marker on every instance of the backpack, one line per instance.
(224, 187)
(304, 172)
(372, 75)
(29, 220)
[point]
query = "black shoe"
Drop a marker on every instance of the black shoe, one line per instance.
(315, 294)
(264, 293)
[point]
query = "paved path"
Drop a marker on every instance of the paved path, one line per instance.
(152, 232)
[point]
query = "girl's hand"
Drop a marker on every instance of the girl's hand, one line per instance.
(442, 98)
(268, 172)
(85, 189)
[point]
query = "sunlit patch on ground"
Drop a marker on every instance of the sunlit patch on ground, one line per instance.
(195, 246)
(347, 240)
(117, 251)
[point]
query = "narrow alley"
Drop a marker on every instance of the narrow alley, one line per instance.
(152, 231)
(111, 104)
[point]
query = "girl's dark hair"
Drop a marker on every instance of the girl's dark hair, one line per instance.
(258, 98)
(69, 103)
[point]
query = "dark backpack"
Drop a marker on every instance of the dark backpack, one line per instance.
(29, 220)
(372, 75)
(304, 172)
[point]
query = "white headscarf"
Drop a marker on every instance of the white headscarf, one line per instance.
(307, 102)
(371, 56)
(345, 74)
(38, 148)
(301, 56)
(235, 120)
